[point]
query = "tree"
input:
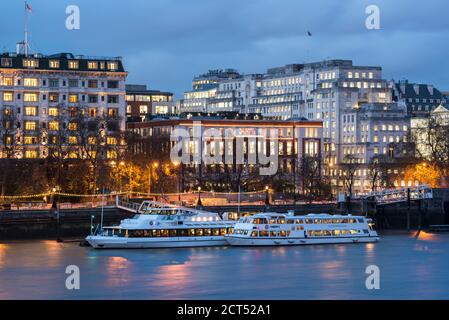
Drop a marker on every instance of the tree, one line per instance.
(423, 173)
(350, 165)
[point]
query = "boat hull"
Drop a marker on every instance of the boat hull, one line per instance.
(250, 242)
(101, 242)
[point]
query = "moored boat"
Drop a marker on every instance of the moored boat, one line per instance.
(275, 229)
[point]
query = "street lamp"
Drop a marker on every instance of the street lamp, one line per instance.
(153, 165)
(176, 164)
(200, 203)
(267, 196)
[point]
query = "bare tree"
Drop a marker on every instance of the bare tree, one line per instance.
(350, 165)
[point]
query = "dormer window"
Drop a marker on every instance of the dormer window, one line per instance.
(30, 63)
(112, 66)
(6, 62)
(73, 64)
(92, 65)
(54, 64)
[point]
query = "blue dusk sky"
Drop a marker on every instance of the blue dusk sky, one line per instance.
(165, 43)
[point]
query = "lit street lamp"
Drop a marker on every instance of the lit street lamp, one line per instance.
(200, 203)
(153, 165)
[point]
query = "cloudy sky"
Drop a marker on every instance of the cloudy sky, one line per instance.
(166, 42)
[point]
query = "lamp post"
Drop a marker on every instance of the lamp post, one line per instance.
(91, 225)
(153, 165)
(200, 203)
(267, 197)
(178, 181)
(55, 211)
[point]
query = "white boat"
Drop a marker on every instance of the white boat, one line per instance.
(275, 229)
(164, 226)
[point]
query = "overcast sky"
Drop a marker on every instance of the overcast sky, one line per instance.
(165, 43)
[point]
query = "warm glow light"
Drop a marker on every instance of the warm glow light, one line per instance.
(156, 164)
(199, 188)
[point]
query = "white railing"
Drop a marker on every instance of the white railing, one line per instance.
(400, 194)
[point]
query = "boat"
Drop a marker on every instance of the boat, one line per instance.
(276, 229)
(157, 225)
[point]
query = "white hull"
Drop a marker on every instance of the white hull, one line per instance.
(245, 241)
(101, 242)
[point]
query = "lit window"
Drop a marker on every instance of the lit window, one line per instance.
(54, 112)
(53, 125)
(31, 82)
(111, 154)
(73, 98)
(91, 140)
(31, 97)
(30, 63)
(31, 111)
(73, 140)
(31, 154)
(8, 82)
(8, 96)
(72, 126)
(92, 65)
(112, 66)
(54, 64)
(112, 140)
(30, 125)
(73, 64)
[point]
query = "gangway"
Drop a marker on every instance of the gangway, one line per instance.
(399, 195)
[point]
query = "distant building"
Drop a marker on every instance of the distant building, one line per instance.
(420, 99)
(204, 89)
(42, 96)
(142, 104)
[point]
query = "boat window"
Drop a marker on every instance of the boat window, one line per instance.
(365, 231)
(198, 232)
(344, 232)
(344, 221)
(335, 221)
(263, 233)
(308, 221)
(207, 232)
(191, 232)
(317, 221)
(360, 220)
(229, 230)
(281, 221)
(353, 231)
(352, 221)
(254, 234)
(327, 233)
(272, 221)
(183, 233)
(223, 231)
(336, 232)
(156, 233)
(273, 234)
(283, 233)
(299, 221)
(147, 233)
(173, 233)
(164, 233)
(290, 221)
(215, 232)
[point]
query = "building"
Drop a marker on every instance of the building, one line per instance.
(420, 99)
(371, 131)
(43, 96)
(143, 104)
(420, 130)
(204, 88)
(214, 146)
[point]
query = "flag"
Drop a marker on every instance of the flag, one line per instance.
(309, 33)
(28, 7)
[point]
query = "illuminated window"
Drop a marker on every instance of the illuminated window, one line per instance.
(111, 154)
(54, 97)
(73, 64)
(161, 109)
(30, 97)
(92, 112)
(31, 111)
(30, 63)
(112, 66)
(92, 65)
(53, 125)
(112, 140)
(72, 126)
(30, 125)
(8, 96)
(73, 98)
(54, 112)
(112, 112)
(143, 109)
(8, 82)
(91, 140)
(54, 64)
(30, 140)
(31, 154)
(73, 140)
(31, 82)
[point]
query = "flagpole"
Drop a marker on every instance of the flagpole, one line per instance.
(26, 30)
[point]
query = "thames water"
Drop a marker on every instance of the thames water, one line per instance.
(410, 267)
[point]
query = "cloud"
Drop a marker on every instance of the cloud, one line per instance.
(166, 42)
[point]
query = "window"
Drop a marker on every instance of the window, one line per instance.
(111, 154)
(30, 97)
(113, 99)
(54, 97)
(8, 96)
(53, 112)
(53, 126)
(31, 82)
(73, 98)
(53, 83)
(72, 126)
(112, 66)
(92, 112)
(112, 112)
(30, 63)
(8, 81)
(92, 83)
(54, 64)
(73, 64)
(112, 84)
(30, 125)
(73, 140)
(31, 111)
(92, 65)
(6, 62)
(31, 154)
(161, 109)
(91, 140)
(73, 83)
(143, 109)
(112, 140)
(30, 140)
(93, 98)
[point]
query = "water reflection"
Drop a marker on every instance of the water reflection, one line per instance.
(3, 252)
(118, 271)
